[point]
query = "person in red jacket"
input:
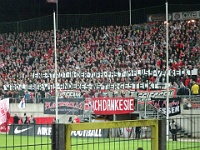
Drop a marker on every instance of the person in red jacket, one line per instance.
(198, 80)
(187, 81)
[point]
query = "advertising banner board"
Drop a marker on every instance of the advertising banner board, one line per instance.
(174, 105)
(71, 106)
(45, 130)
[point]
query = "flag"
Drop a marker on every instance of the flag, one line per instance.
(22, 104)
(88, 103)
(51, 1)
(4, 114)
(154, 46)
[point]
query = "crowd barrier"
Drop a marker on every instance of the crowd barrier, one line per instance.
(104, 135)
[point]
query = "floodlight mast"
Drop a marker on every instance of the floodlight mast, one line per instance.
(57, 15)
(55, 72)
(130, 12)
(167, 72)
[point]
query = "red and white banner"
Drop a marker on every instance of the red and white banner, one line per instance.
(156, 93)
(4, 114)
(110, 106)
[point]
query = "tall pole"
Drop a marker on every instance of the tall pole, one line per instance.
(167, 74)
(55, 55)
(57, 15)
(130, 11)
(145, 103)
(145, 107)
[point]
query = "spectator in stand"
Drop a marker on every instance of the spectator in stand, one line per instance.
(198, 80)
(195, 89)
(27, 97)
(138, 132)
(187, 81)
(21, 93)
(183, 90)
(174, 85)
(70, 120)
(32, 120)
(173, 130)
(16, 119)
(42, 94)
(98, 49)
(24, 119)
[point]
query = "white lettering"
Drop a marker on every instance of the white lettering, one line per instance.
(87, 133)
(172, 110)
(118, 74)
(44, 131)
(113, 104)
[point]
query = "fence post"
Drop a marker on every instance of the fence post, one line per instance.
(162, 134)
(58, 136)
(68, 137)
(154, 136)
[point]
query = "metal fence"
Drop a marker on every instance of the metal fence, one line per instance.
(186, 135)
(150, 135)
(115, 135)
(123, 135)
(26, 137)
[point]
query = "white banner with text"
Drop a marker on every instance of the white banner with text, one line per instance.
(107, 74)
(68, 86)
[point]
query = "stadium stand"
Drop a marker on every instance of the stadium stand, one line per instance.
(97, 49)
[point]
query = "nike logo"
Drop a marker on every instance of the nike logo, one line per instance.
(16, 131)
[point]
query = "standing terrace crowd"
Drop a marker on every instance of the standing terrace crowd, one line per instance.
(98, 49)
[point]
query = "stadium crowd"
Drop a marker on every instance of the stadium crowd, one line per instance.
(97, 49)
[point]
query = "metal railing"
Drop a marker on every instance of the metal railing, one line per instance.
(186, 135)
(26, 137)
(103, 135)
